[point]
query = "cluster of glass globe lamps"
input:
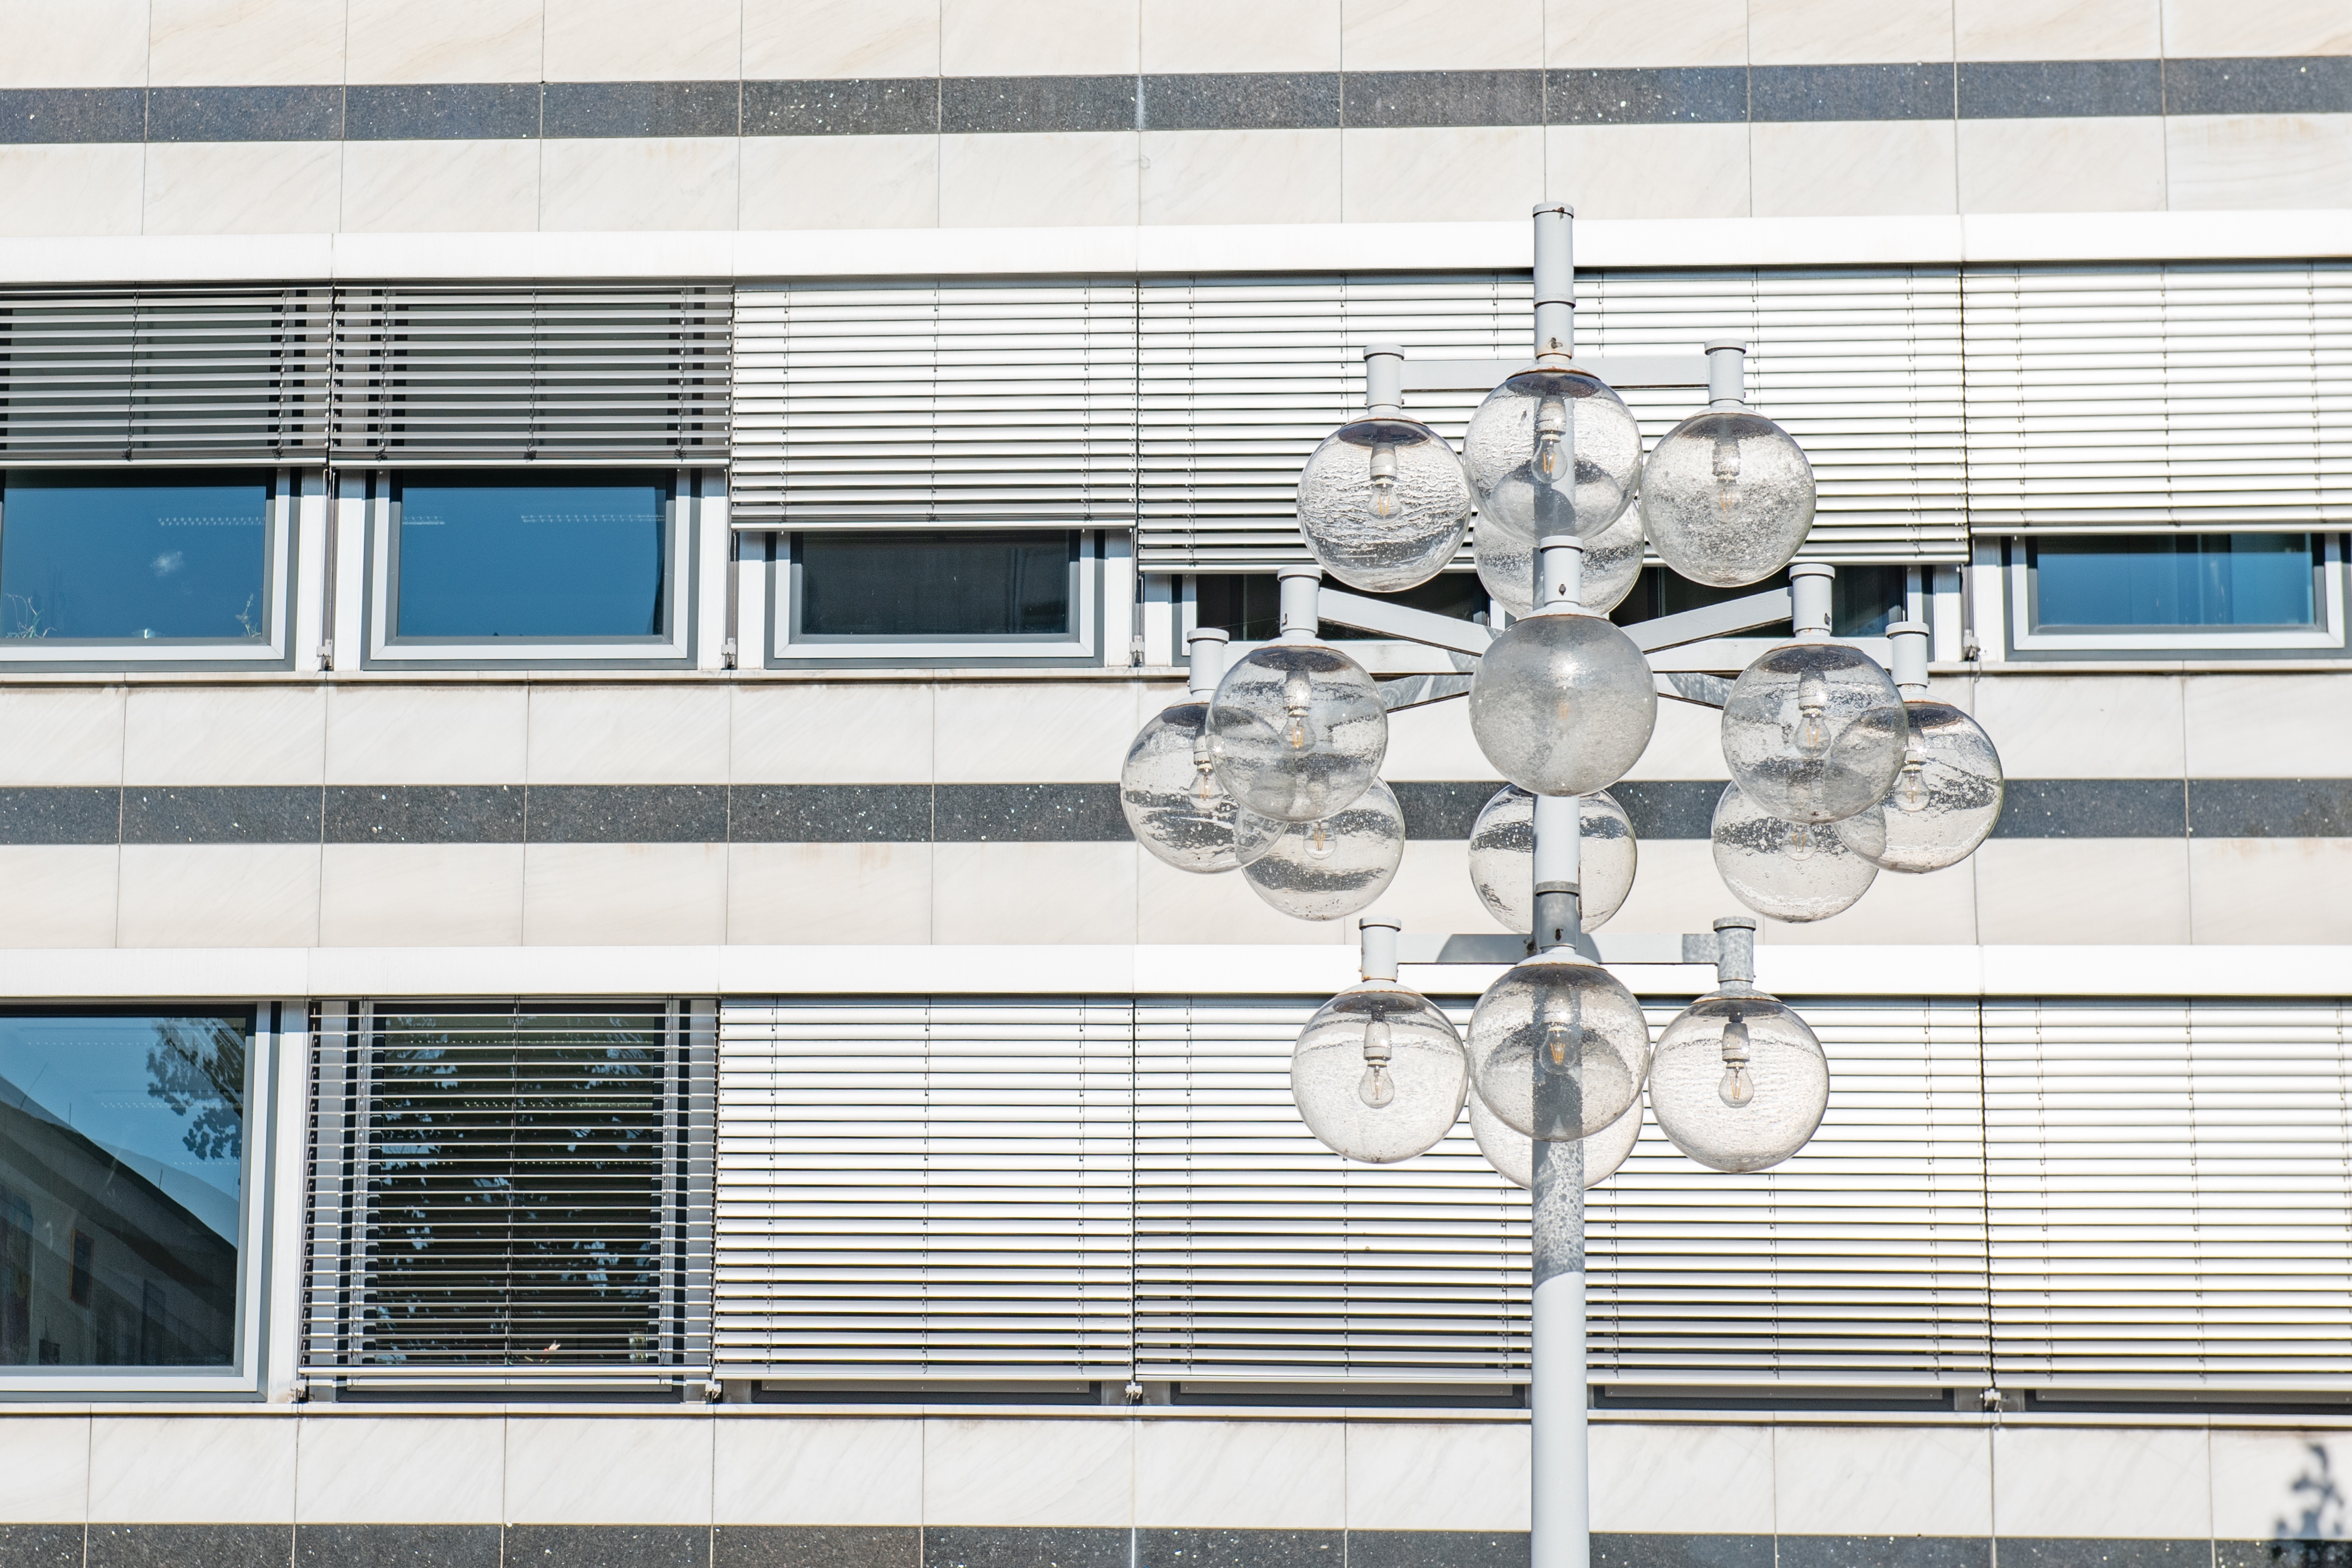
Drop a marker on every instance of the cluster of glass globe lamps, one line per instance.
(1271, 767)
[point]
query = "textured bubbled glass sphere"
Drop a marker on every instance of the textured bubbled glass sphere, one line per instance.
(1738, 1082)
(1379, 1073)
(1557, 1047)
(1168, 787)
(1727, 498)
(1945, 800)
(1562, 704)
(1502, 858)
(1335, 865)
(1299, 731)
(1813, 732)
(1793, 871)
(1383, 504)
(1552, 451)
(1513, 1155)
(1507, 564)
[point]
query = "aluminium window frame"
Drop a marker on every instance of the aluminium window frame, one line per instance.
(268, 1163)
(691, 492)
(1081, 649)
(281, 525)
(2018, 579)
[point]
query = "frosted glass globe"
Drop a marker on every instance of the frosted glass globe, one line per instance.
(1813, 732)
(1507, 564)
(1502, 858)
(1562, 704)
(1383, 504)
(1738, 1083)
(1299, 731)
(1175, 807)
(1513, 1155)
(1557, 1047)
(1336, 865)
(1793, 871)
(1945, 800)
(1379, 1073)
(1552, 451)
(1728, 497)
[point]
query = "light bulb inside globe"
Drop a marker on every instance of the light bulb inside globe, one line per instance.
(1801, 841)
(1318, 842)
(1737, 1089)
(1552, 428)
(1376, 1088)
(1384, 480)
(1563, 1031)
(1726, 471)
(1298, 699)
(1204, 774)
(1813, 736)
(1911, 789)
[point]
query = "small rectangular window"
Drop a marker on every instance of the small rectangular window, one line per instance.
(164, 564)
(1248, 606)
(545, 557)
(913, 595)
(1863, 600)
(121, 1188)
(2241, 582)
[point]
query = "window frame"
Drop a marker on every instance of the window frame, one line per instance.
(788, 649)
(260, 1171)
(682, 508)
(281, 529)
(2019, 579)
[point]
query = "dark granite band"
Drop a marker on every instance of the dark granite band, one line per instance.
(1726, 95)
(1661, 809)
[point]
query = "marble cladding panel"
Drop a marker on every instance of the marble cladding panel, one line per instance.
(2094, 808)
(245, 114)
(186, 1545)
(1433, 35)
(2062, 165)
(1431, 891)
(58, 895)
(2258, 86)
(443, 40)
(863, 1478)
(88, 189)
(853, 733)
(1848, 32)
(84, 43)
(2269, 809)
(44, 1545)
(41, 116)
(597, 895)
(1456, 174)
(1174, 906)
(640, 110)
(817, 1546)
(871, 107)
(841, 182)
(1890, 1550)
(1579, 35)
(1913, 1481)
(825, 894)
(1852, 94)
(1241, 176)
(1078, 179)
(607, 1470)
(1052, 37)
(2057, 727)
(1246, 101)
(1641, 1479)
(1418, 1477)
(2264, 1481)
(792, 41)
(1273, 1475)
(608, 1546)
(201, 43)
(1847, 170)
(1015, 813)
(1073, 1474)
(1681, 1551)
(2057, 29)
(2082, 890)
(975, 105)
(2215, 29)
(2109, 1482)
(397, 1546)
(2258, 161)
(2061, 89)
(242, 187)
(2260, 890)
(638, 183)
(218, 895)
(1404, 100)
(1678, 889)
(1046, 892)
(432, 814)
(364, 1469)
(589, 734)
(475, 186)
(1939, 909)
(2254, 726)
(1649, 170)
(1025, 733)
(1184, 36)
(62, 735)
(430, 734)
(618, 40)
(284, 814)
(44, 1477)
(1239, 1549)
(421, 895)
(191, 1469)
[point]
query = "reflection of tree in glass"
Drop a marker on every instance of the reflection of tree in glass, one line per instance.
(24, 617)
(198, 1065)
(515, 1172)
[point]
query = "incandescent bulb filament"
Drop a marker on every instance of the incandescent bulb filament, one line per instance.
(1376, 1088)
(1737, 1089)
(1911, 790)
(1726, 471)
(1384, 480)
(1318, 847)
(1297, 696)
(1551, 434)
(1813, 702)
(1563, 1034)
(1203, 792)
(1801, 841)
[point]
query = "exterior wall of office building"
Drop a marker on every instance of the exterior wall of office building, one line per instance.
(722, 1087)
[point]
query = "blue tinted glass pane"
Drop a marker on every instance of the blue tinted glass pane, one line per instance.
(121, 1143)
(546, 556)
(163, 555)
(926, 584)
(2240, 580)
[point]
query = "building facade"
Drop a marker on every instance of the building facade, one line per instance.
(574, 579)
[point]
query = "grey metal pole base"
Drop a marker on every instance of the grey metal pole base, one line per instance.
(1559, 1469)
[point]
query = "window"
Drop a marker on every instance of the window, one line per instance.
(505, 1192)
(122, 1186)
(940, 597)
(489, 565)
(2177, 591)
(1249, 605)
(1864, 600)
(166, 565)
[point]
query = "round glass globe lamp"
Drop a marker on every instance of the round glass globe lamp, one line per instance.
(1727, 498)
(1945, 801)
(1503, 855)
(1507, 564)
(1814, 731)
(1792, 871)
(1562, 704)
(1513, 1155)
(1738, 1082)
(1553, 451)
(1383, 503)
(1331, 866)
(1299, 728)
(1379, 1073)
(1558, 1047)
(1168, 787)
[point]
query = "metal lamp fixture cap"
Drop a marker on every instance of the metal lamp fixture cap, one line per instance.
(1810, 590)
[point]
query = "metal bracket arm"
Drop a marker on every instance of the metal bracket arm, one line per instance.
(1620, 371)
(1713, 621)
(1402, 622)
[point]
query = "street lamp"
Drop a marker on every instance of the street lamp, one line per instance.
(1837, 770)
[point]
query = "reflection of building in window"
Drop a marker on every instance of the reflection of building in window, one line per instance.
(160, 1291)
